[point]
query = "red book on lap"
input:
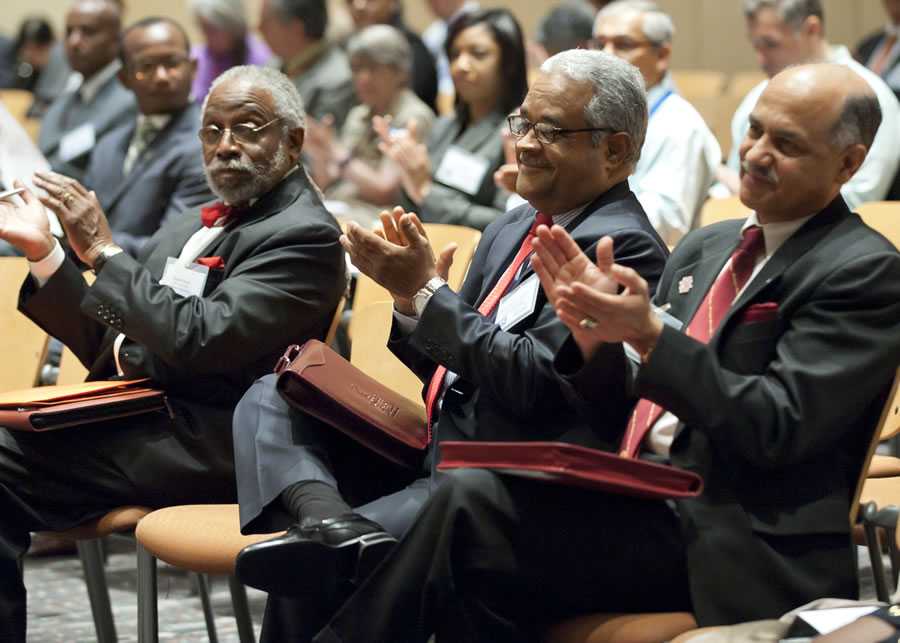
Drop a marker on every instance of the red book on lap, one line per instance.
(573, 465)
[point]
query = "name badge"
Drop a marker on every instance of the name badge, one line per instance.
(461, 170)
(518, 304)
(187, 281)
(77, 142)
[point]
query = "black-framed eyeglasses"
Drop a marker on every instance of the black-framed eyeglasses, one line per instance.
(548, 134)
(146, 69)
(242, 133)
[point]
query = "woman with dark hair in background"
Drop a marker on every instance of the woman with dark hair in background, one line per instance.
(450, 179)
(27, 55)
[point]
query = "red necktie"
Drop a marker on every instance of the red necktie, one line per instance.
(213, 213)
(706, 320)
(487, 307)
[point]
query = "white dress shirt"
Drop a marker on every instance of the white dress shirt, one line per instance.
(662, 433)
(678, 162)
(873, 180)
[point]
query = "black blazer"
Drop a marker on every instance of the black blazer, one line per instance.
(891, 72)
(507, 388)
(776, 412)
(165, 181)
(284, 273)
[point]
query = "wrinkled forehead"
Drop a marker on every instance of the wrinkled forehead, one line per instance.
(239, 98)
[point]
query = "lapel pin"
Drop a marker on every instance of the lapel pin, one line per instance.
(685, 285)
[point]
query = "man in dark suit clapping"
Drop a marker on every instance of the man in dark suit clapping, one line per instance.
(207, 308)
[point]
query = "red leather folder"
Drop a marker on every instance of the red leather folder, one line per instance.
(318, 381)
(47, 408)
(573, 465)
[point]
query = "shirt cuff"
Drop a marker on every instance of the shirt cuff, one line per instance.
(42, 270)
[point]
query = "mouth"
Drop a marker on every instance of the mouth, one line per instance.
(755, 177)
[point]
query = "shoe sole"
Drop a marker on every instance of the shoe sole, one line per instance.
(309, 567)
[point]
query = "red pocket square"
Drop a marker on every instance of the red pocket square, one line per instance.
(766, 311)
(212, 263)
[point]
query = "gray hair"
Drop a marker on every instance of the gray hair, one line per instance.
(382, 44)
(859, 121)
(619, 101)
(228, 15)
(792, 12)
(656, 24)
(286, 98)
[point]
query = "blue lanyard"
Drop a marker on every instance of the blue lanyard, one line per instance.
(658, 103)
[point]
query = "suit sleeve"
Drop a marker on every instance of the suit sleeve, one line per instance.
(836, 353)
(515, 369)
(285, 290)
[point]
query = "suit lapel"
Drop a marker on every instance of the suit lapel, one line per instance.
(504, 249)
(698, 278)
(116, 176)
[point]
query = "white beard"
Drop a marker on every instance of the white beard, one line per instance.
(263, 176)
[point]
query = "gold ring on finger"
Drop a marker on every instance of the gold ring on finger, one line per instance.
(67, 199)
(588, 323)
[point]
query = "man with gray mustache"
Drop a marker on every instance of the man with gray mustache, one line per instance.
(206, 309)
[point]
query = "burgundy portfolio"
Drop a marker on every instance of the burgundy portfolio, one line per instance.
(573, 465)
(318, 381)
(46, 408)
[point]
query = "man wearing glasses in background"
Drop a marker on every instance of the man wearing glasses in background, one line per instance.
(207, 308)
(150, 170)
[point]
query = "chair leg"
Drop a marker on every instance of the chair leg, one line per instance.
(241, 610)
(202, 583)
(869, 514)
(91, 554)
(148, 619)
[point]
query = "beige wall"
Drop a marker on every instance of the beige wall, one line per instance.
(710, 32)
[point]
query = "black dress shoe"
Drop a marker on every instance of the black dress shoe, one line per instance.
(315, 555)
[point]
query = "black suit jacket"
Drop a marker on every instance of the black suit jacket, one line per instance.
(284, 273)
(891, 72)
(166, 180)
(507, 389)
(775, 414)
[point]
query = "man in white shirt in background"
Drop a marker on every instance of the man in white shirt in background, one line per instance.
(792, 32)
(680, 154)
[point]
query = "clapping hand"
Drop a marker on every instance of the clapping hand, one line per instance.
(25, 226)
(587, 296)
(398, 257)
(408, 154)
(79, 212)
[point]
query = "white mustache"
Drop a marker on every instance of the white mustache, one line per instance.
(232, 164)
(766, 174)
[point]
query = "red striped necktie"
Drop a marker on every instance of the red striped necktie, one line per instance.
(706, 320)
(487, 307)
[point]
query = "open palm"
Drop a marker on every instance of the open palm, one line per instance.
(25, 225)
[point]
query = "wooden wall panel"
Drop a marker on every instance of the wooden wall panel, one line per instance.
(710, 32)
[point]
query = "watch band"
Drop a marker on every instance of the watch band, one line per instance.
(423, 296)
(105, 255)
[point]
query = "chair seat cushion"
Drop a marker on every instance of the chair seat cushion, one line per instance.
(200, 538)
(622, 628)
(883, 466)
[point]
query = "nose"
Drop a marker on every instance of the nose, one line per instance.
(610, 48)
(756, 151)
(74, 38)
(528, 142)
(227, 147)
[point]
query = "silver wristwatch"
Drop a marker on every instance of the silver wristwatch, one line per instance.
(423, 296)
(107, 253)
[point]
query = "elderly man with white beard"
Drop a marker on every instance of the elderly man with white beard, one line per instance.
(208, 307)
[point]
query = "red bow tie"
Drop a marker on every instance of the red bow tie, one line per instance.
(213, 213)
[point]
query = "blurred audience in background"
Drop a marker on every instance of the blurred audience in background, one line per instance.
(880, 51)
(26, 56)
(228, 42)
(435, 36)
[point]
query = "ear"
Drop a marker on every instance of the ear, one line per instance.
(851, 161)
(295, 143)
(618, 145)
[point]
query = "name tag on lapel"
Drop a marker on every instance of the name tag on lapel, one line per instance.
(77, 142)
(187, 281)
(518, 304)
(461, 170)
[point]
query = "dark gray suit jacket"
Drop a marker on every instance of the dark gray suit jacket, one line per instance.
(166, 179)
(507, 388)
(776, 413)
(445, 204)
(111, 106)
(284, 273)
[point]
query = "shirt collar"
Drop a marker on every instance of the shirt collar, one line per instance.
(664, 85)
(88, 89)
(775, 233)
(566, 218)
(839, 54)
(159, 121)
(301, 62)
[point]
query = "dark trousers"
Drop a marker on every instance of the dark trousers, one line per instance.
(496, 559)
(55, 480)
(276, 446)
